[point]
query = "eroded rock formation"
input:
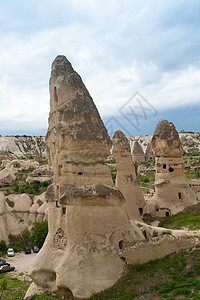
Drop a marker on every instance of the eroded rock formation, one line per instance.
(172, 191)
(149, 153)
(19, 212)
(88, 224)
(138, 153)
(126, 179)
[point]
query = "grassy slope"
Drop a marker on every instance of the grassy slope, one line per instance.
(159, 279)
(190, 218)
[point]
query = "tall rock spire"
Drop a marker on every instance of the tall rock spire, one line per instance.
(88, 225)
(172, 191)
(126, 179)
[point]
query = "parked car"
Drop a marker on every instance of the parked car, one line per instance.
(6, 268)
(27, 250)
(36, 249)
(4, 264)
(10, 252)
(2, 261)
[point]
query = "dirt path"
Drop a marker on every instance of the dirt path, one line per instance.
(21, 262)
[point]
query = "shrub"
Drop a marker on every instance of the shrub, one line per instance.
(3, 246)
(136, 168)
(39, 232)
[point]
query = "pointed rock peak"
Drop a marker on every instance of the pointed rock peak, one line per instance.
(75, 125)
(137, 148)
(62, 65)
(166, 130)
(121, 145)
(165, 141)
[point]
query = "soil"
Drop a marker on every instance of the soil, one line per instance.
(21, 262)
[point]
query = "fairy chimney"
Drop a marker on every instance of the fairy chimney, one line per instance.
(126, 179)
(88, 224)
(172, 191)
(149, 153)
(138, 153)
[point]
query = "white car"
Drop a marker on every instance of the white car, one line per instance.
(10, 252)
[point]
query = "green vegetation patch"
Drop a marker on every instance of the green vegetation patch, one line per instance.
(12, 288)
(190, 218)
(173, 277)
(36, 236)
(35, 188)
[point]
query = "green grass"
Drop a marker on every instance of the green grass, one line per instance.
(29, 188)
(190, 218)
(14, 288)
(165, 278)
(189, 175)
(43, 297)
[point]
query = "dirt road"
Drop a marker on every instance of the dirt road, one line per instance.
(21, 262)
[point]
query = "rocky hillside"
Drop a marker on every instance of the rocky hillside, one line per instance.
(190, 141)
(25, 146)
(22, 146)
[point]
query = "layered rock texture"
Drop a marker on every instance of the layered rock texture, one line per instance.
(19, 212)
(149, 153)
(22, 146)
(126, 179)
(88, 223)
(138, 153)
(7, 176)
(172, 191)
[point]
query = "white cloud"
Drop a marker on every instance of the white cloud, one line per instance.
(118, 48)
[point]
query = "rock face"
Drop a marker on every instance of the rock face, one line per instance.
(7, 176)
(87, 220)
(21, 146)
(126, 179)
(138, 153)
(19, 212)
(172, 191)
(20, 164)
(149, 153)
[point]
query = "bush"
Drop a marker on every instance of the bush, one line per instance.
(39, 232)
(36, 236)
(3, 246)
(136, 168)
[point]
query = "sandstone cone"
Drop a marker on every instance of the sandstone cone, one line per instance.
(88, 224)
(138, 153)
(149, 153)
(126, 179)
(172, 191)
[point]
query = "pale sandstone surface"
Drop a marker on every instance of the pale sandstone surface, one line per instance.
(87, 219)
(172, 191)
(126, 179)
(195, 186)
(7, 176)
(22, 146)
(19, 212)
(149, 153)
(158, 247)
(138, 153)
(18, 164)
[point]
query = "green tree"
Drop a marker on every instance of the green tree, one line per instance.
(136, 168)
(3, 246)
(39, 232)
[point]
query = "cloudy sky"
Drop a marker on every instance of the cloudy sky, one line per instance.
(140, 61)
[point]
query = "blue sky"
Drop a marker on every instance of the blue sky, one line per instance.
(118, 47)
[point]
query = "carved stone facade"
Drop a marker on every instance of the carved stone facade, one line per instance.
(172, 191)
